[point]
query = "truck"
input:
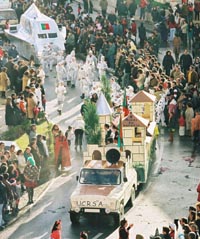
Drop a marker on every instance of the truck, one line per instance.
(6, 13)
(104, 187)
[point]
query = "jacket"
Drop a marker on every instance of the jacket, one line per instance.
(4, 81)
(3, 194)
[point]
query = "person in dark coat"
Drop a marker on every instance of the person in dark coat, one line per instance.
(142, 34)
(132, 8)
(171, 125)
(163, 33)
(124, 229)
(185, 61)
(10, 71)
(168, 62)
(19, 116)
(12, 52)
(3, 200)
(9, 113)
(36, 154)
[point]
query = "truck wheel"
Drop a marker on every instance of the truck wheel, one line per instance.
(118, 217)
(74, 217)
(132, 197)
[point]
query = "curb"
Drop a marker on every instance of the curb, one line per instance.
(40, 190)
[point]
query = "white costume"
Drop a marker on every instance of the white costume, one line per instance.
(38, 94)
(102, 67)
(60, 92)
(68, 61)
(41, 74)
(60, 57)
(61, 71)
(130, 92)
(44, 59)
(73, 71)
(91, 62)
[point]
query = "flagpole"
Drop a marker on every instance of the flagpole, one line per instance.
(120, 137)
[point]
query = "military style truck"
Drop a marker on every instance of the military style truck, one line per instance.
(104, 187)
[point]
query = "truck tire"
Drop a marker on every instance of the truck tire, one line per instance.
(132, 197)
(118, 217)
(74, 217)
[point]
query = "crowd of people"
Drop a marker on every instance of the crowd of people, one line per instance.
(112, 42)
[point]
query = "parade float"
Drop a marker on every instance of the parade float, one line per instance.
(130, 159)
(35, 34)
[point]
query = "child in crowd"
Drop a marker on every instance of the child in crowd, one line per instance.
(69, 134)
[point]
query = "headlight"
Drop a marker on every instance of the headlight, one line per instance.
(107, 210)
(77, 209)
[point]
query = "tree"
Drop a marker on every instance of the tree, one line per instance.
(92, 126)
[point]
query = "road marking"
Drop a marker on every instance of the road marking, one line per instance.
(70, 100)
(98, 235)
(67, 115)
(42, 236)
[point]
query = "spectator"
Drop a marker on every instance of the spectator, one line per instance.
(168, 62)
(103, 4)
(9, 113)
(3, 201)
(4, 83)
(124, 229)
(31, 175)
(32, 133)
(185, 62)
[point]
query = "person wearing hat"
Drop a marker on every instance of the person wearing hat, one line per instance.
(31, 175)
(56, 230)
(3, 201)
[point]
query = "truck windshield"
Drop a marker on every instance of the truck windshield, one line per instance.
(100, 176)
(8, 15)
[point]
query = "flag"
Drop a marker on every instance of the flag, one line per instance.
(45, 26)
(125, 104)
(120, 137)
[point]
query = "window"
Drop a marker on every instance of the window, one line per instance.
(52, 35)
(100, 177)
(42, 36)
